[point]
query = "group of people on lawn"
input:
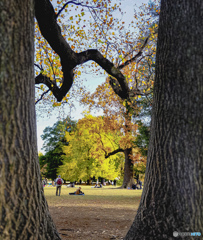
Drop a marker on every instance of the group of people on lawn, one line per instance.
(98, 185)
(59, 181)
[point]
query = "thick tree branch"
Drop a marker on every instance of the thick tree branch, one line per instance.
(59, 93)
(113, 82)
(117, 89)
(96, 56)
(114, 152)
(51, 31)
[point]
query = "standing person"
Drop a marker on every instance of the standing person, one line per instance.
(59, 182)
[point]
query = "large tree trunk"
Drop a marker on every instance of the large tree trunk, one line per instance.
(128, 169)
(23, 209)
(172, 195)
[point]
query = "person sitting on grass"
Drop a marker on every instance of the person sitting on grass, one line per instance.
(78, 191)
(98, 186)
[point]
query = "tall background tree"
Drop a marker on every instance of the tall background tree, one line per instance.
(54, 141)
(172, 199)
(84, 156)
(124, 115)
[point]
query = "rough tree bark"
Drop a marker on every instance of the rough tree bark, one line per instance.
(172, 199)
(23, 209)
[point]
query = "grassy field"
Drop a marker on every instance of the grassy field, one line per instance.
(107, 196)
(81, 217)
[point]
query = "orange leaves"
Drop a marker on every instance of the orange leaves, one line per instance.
(126, 141)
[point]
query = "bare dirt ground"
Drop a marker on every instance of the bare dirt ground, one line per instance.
(89, 223)
(101, 214)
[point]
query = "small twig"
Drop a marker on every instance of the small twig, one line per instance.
(42, 96)
(40, 67)
(136, 56)
(73, 2)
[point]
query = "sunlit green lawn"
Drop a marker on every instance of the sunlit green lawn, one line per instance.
(107, 197)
